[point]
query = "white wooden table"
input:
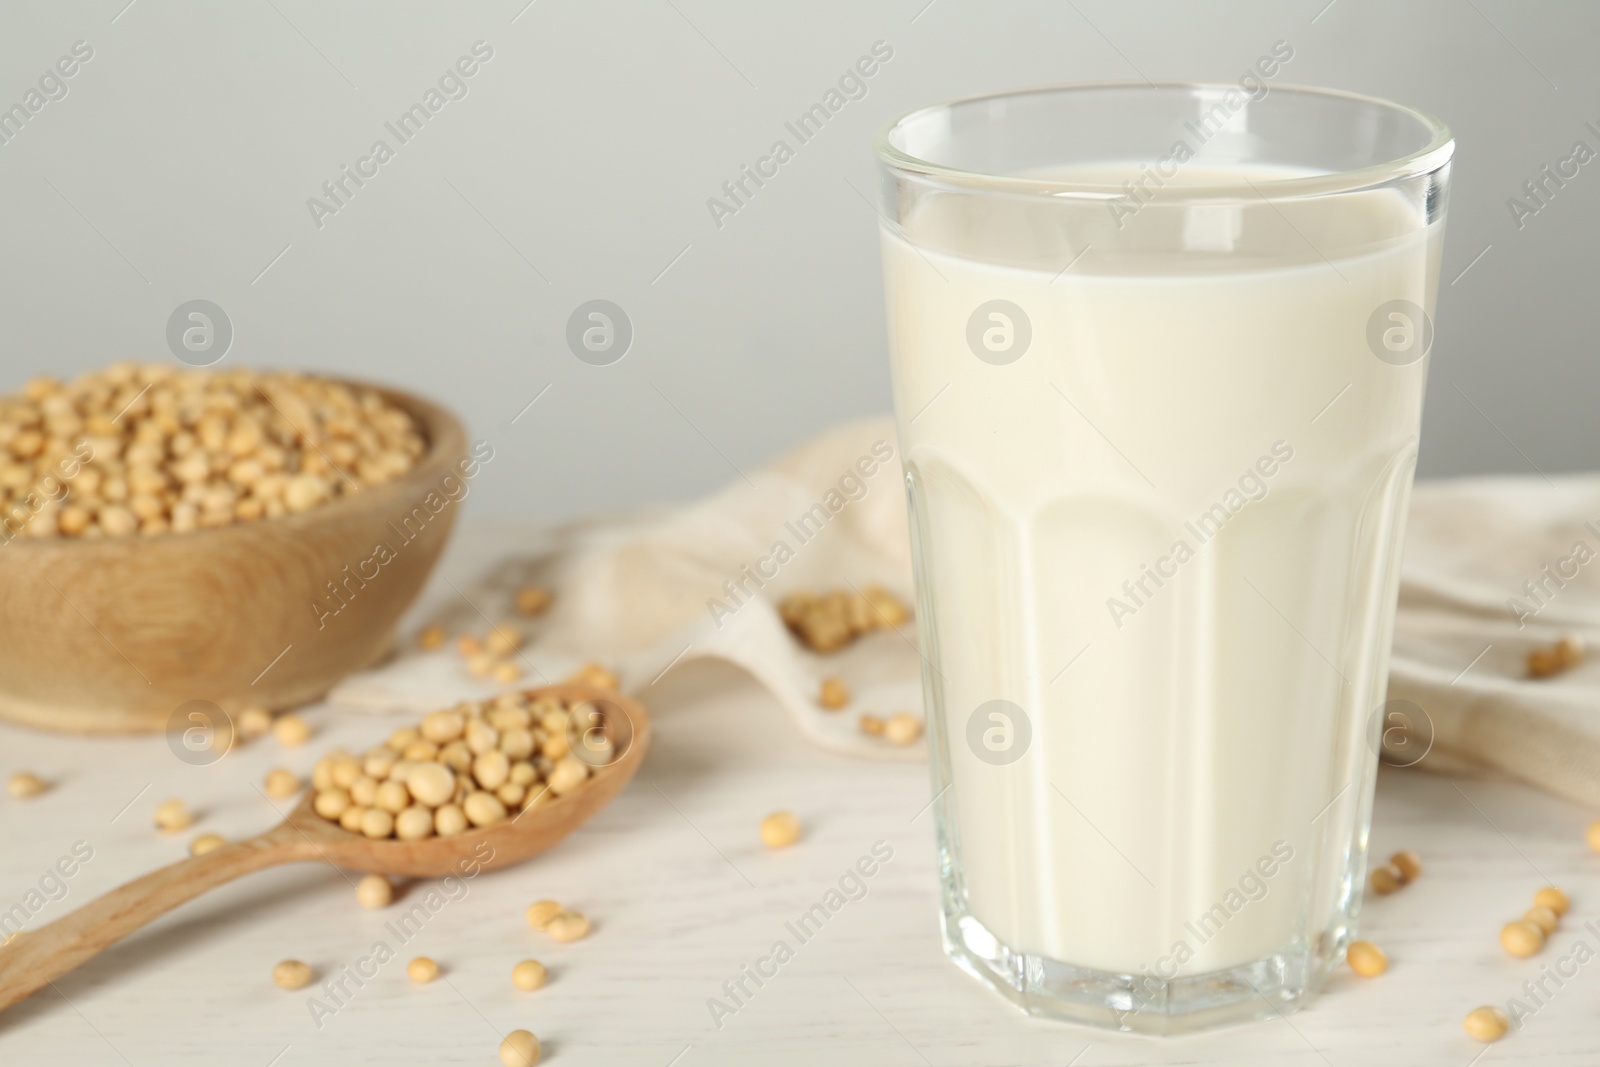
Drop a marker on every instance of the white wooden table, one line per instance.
(683, 895)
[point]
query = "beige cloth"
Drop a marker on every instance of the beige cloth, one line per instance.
(647, 594)
(637, 594)
(1467, 622)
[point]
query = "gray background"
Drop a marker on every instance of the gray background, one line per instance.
(579, 165)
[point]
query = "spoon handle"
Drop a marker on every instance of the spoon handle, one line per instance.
(36, 958)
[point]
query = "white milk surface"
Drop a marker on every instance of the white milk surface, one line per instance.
(1226, 444)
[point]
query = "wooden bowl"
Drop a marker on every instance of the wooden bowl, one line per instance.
(115, 634)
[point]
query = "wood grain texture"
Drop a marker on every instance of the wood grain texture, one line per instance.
(684, 896)
(115, 634)
(39, 957)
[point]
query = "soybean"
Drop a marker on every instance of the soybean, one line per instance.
(1552, 898)
(25, 784)
(1543, 918)
(282, 784)
(173, 815)
(414, 824)
(528, 975)
(532, 600)
(206, 843)
(254, 723)
(291, 730)
(377, 823)
(292, 974)
(568, 926)
(519, 1049)
(541, 912)
(483, 809)
(903, 728)
(502, 640)
(1521, 938)
(1486, 1024)
(1408, 864)
(780, 829)
(1366, 959)
(374, 892)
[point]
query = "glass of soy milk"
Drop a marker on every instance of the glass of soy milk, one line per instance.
(1158, 356)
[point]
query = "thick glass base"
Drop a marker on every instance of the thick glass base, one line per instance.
(1264, 989)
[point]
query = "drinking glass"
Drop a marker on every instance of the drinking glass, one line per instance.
(1158, 355)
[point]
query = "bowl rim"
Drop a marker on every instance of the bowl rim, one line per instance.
(447, 444)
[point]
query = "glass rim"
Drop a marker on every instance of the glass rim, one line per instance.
(1427, 159)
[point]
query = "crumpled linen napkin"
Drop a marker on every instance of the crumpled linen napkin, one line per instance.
(645, 594)
(1494, 568)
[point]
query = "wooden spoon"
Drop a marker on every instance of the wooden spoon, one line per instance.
(38, 957)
